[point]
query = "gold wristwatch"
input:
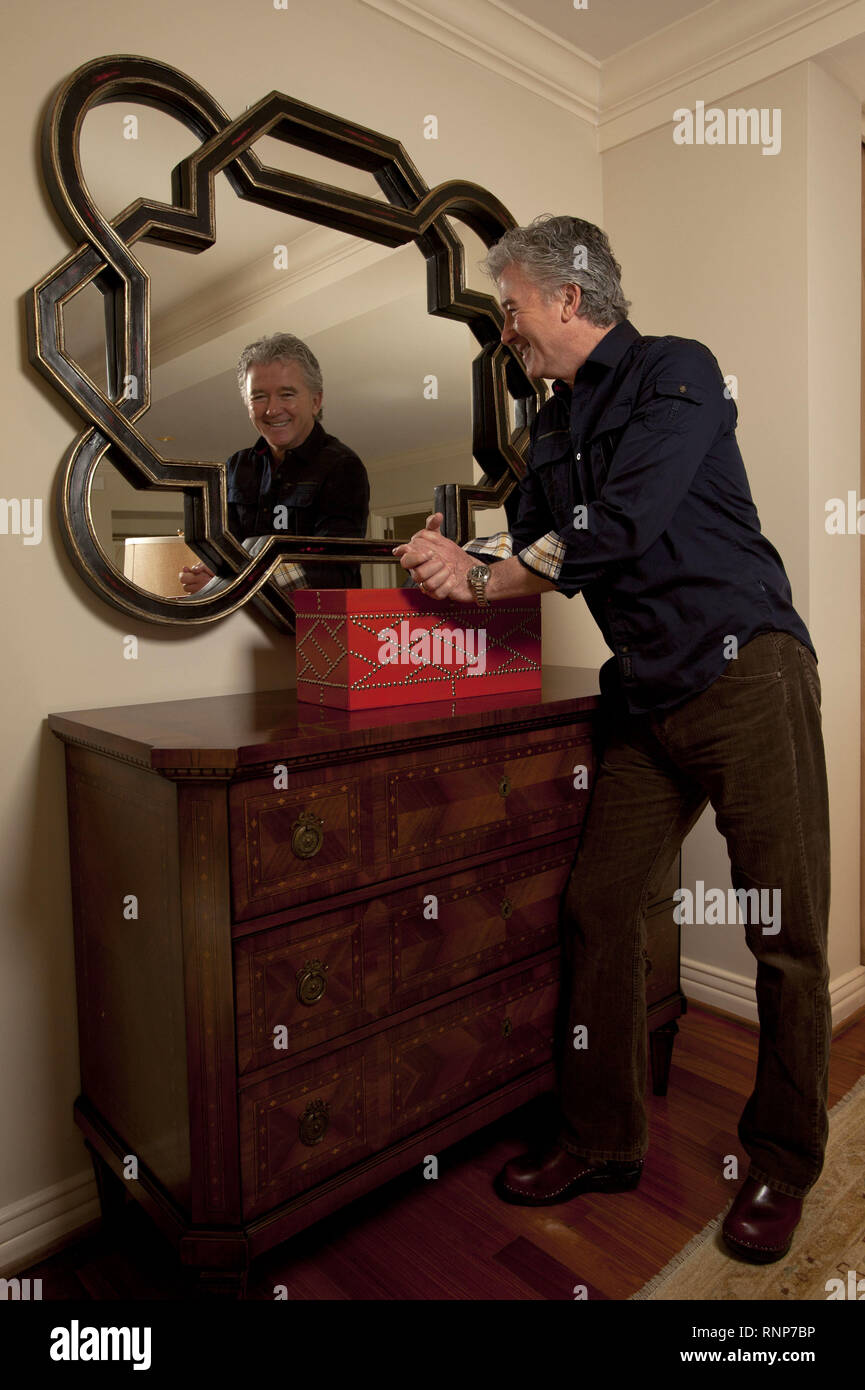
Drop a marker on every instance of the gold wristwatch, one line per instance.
(477, 578)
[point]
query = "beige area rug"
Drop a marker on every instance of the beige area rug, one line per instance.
(829, 1240)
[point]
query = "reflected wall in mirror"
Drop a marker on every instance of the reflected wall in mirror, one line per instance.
(400, 388)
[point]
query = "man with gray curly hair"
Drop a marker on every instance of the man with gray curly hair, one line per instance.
(555, 250)
(635, 495)
(296, 479)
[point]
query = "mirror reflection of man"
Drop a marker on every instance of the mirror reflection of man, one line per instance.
(636, 495)
(296, 479)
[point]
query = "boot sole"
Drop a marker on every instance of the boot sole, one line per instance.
(601, 1182)
(756, 1257)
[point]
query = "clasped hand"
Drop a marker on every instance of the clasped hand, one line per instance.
(439, 565)
(192, 578)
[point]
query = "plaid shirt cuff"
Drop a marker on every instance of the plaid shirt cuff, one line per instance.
(545, 556)
(497, 547)
(290, 575)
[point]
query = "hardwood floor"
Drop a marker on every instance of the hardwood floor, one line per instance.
(452, 1238)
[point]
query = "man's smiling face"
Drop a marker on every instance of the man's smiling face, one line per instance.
(281, 405)
(534, 326)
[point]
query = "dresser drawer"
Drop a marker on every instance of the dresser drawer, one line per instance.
(503, 793)
(307, 1124)
(298, 985)
(321, 976)
(346, 829)
(295, 843)
(452, 1055)
(468, 925)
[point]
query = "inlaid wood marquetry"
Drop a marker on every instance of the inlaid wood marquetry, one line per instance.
(453, 1055)
(483, 920)
(388, 952)
(494, 797)
(278, 1159)
(279, 827)
(266, 973)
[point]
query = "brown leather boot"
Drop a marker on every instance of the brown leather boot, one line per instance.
(558, 1176)
(760, 1224)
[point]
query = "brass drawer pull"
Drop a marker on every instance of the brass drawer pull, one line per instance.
(311, 982)
(506, 908)
(507, 1028)
(306, 835)
(504, 786)
(312, 1125)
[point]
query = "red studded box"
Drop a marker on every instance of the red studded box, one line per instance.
(365, 648)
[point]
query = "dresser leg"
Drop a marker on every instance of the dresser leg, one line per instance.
(661, 1043)
(113, 1194)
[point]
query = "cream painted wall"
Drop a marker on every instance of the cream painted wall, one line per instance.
(834, 385)
(62, 648)
(758, 257)
(415, 478)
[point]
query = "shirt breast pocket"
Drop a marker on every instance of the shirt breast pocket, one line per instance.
(552, 464)
(604, 439)
(672, 405)
(242, 517)
(296, 494)
(292, 505)
(245, 500)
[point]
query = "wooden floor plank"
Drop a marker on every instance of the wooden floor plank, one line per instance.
(540, 1273)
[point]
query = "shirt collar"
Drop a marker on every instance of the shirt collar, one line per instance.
(606, 354)
(304, 453)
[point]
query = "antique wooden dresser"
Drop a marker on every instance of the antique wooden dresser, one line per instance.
(313, 947)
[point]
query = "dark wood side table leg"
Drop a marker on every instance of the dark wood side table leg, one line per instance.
(661, 1042)
(113, 1194)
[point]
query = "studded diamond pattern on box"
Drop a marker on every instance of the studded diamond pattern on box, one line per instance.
(365, 648)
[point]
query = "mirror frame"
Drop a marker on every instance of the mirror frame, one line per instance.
(103, 256)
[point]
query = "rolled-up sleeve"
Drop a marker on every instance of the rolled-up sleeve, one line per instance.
(680, 410)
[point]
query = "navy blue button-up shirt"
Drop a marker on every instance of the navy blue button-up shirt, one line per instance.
(636, 495)
(322, 487)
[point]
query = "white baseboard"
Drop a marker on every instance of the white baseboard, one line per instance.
(734, 994)
(720, 989)
(31, 1228)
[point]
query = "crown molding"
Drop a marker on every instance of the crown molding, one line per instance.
(488, 33)
(720, 49)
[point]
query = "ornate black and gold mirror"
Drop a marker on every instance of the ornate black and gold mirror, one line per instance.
(114, 395)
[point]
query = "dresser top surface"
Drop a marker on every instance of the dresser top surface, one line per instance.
(228, 731)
